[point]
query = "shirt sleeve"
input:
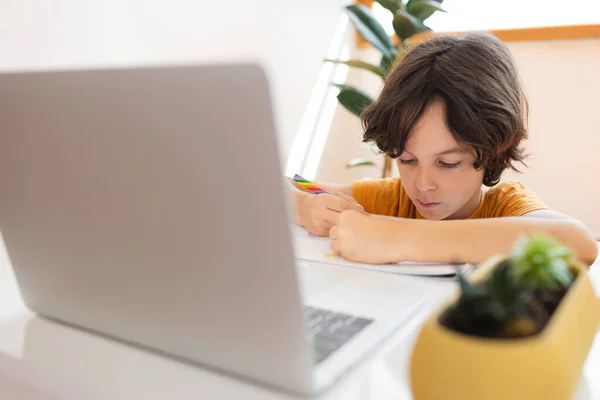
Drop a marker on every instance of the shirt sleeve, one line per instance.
(378, 196)
(514, 200)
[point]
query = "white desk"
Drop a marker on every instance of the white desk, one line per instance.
(43, 360)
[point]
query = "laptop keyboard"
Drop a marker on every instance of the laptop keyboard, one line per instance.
(329, 330)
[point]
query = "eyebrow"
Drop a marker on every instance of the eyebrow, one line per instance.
(455, 150)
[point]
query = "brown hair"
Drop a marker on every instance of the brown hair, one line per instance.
(476, 79)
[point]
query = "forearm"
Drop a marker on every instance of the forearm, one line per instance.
(477, 240)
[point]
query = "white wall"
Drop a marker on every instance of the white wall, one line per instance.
(290, 36)
(344, 141)
(562, 81)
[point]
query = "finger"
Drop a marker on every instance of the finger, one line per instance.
(323, 227)
(338, 204)
(353, 205)
(335, 246)
(344, 196)
(361, 210)
(331, 217)
(333, 233)
(334, 203)
(321, 232)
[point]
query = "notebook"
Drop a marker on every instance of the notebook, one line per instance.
(317, 249)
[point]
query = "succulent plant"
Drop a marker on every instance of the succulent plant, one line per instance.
(542, 263)
(485, 309)
(519, 296)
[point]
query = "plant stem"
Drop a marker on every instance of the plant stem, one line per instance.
(387, 167)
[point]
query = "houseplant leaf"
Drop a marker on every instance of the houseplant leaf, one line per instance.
(542, 262)
(392, 5)
(560, 272)
(360, 162)
(370, 29)
(419, 11)
(423, 7)
(352, 99)
(386, 63)
(360, 64)
(407, 25)
(389, 64)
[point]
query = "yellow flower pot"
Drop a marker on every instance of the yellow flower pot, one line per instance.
(449, 365)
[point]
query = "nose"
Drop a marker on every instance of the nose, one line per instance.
(425, 181)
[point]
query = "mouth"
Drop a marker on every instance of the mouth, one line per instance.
(428, 204)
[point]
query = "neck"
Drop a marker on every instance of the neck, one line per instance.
(469, 208)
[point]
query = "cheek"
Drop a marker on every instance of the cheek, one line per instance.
(407, 175)
(467, 182)
(459, 181)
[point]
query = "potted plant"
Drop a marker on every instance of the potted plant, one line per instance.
(520, 328)
(408, 21)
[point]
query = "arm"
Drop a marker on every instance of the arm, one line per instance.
(480, 239)
(381, 240)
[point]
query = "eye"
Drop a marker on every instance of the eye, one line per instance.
(407, 162)
(446, 165)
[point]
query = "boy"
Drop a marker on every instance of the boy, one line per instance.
(452, 115)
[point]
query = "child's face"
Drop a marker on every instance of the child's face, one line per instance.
(437, 174)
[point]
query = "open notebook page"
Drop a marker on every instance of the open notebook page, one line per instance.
(313, 248)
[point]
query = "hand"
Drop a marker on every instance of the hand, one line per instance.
(367, 239)
(318, 213)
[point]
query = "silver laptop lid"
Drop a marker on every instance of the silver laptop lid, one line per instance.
(147, 204)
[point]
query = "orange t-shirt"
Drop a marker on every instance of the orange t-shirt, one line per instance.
(387, 197)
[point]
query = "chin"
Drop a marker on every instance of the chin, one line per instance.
(433, 215)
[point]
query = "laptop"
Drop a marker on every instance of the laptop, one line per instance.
(148, 205)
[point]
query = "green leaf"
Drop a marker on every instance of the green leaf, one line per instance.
(386, 64)
(407, 25)
(560, 271)
(360, 162)
(353, 99)
(370, 29)
(392, 5)
(389, 64)
(467, 289)
(542, 262)
(561, 252)
(360, 64)
(423, 9)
